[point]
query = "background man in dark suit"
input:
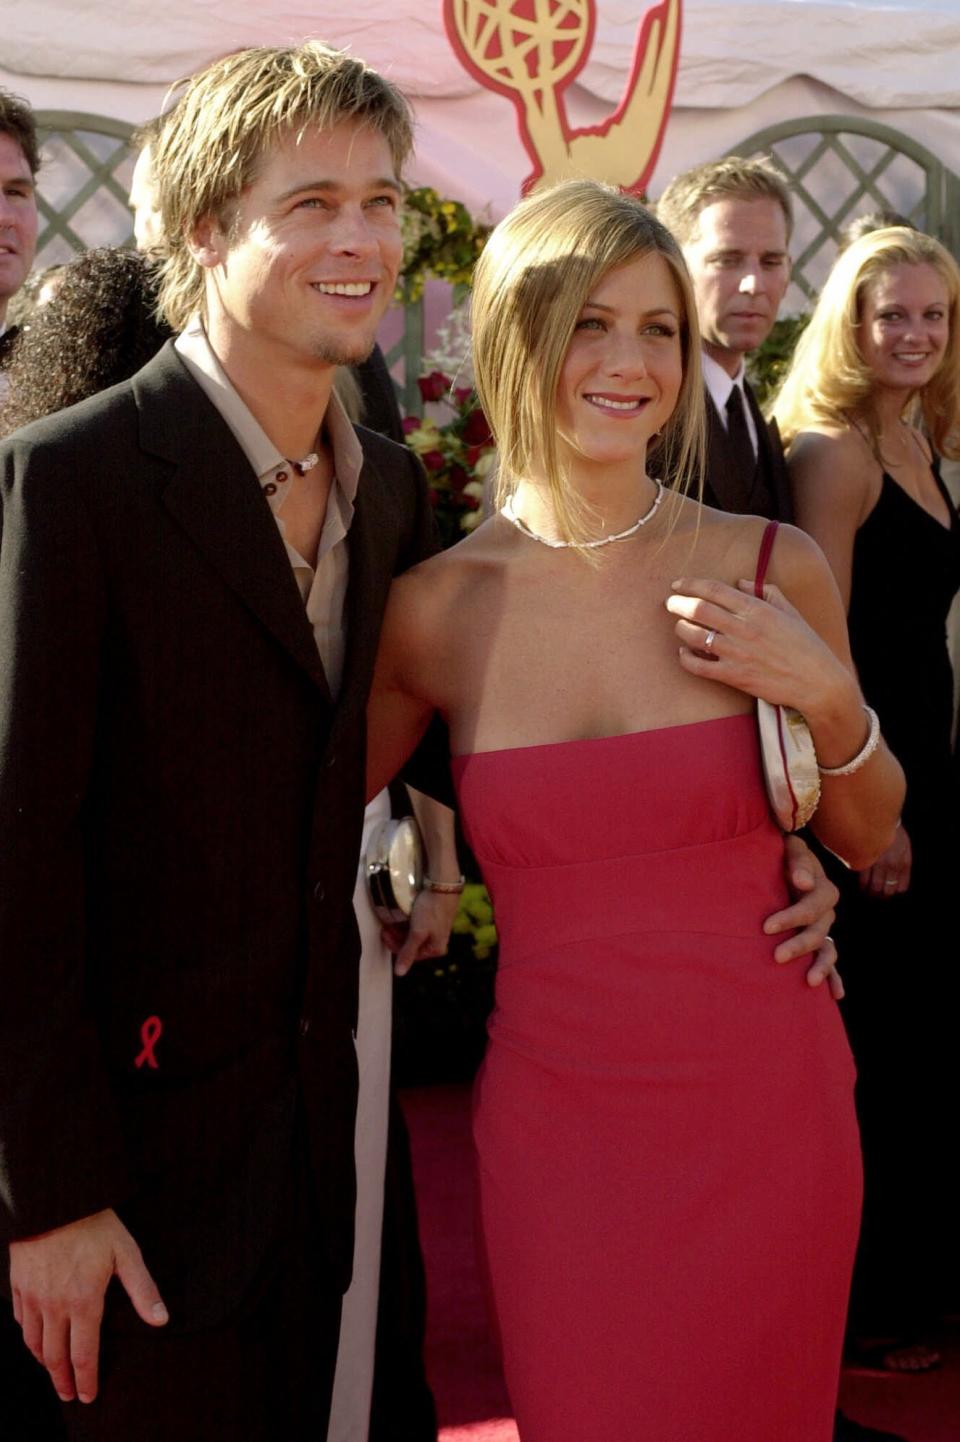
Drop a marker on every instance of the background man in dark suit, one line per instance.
(193, 571)
(733, 218)
(19, 163)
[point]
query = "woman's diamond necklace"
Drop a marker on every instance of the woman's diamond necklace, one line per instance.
(507, 511)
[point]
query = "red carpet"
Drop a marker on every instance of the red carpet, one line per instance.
(461, 1355)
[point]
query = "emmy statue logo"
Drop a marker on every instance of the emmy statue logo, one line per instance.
(531, 50)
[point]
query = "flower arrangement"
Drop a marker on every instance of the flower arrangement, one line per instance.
(440, 239)
(457, 453)
(475, 919)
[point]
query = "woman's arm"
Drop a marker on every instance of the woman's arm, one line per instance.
(428, 932)
(398, 711)
(791, 648)
(833, 483)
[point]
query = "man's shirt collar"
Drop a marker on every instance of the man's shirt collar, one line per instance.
(195, 349)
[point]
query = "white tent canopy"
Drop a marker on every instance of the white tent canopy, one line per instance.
(744, 65)
(899, 54)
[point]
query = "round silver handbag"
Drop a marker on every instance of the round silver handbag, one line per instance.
(393, 862)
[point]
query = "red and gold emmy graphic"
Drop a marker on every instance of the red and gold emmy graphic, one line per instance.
(531, 50)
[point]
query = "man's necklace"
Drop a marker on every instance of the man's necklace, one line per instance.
(509, 514)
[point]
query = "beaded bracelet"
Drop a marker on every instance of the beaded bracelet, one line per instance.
(444, 888)
(865, 752)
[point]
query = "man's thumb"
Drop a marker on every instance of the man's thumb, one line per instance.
(140, 1287)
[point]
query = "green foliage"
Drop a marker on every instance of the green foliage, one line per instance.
(440, 239)
(767, 365)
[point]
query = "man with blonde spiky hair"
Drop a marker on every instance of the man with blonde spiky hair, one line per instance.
(193, 570)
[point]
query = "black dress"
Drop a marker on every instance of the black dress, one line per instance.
(898, 956)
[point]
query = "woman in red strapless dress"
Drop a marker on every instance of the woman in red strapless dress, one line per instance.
(668, 1158)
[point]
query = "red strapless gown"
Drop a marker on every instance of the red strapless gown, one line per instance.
(668, 1153)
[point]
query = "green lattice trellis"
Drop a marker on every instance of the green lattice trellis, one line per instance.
(83, 185)
(891, 171)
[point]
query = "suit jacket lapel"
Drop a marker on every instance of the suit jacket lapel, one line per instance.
(215, 498)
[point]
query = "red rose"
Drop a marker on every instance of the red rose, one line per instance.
(458, 477)
(462, 394)
(433, 460)
(410, 424)
(434, 386)
(476, 429)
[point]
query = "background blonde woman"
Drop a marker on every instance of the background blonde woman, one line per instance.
(872, 397)
(663, 1116)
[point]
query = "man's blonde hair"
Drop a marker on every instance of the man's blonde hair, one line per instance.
(735, 177)
(536, 272)
(829, 382)
(211, 145)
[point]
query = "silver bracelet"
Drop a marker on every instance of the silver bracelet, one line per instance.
(865, 752)
(444, 888)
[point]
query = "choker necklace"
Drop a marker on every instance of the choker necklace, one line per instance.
(307, 464)
(509, 514)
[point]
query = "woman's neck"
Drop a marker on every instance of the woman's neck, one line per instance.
(611, 503)
(887, 409)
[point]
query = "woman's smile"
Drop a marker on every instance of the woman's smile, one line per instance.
(623, 364)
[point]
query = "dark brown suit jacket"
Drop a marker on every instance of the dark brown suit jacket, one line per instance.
(180, 815)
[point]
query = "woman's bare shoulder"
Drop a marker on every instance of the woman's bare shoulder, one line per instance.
(830, 448)
(834, 476)
(719, 542)
(436, 581)
(728, 546)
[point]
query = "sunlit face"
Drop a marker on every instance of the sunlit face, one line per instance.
(308, 259)
(147, 220)
(905, 326)
(18, 219)
(623, 370)
(740, 269)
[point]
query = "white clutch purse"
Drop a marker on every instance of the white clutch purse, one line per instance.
(789, 764)
(394, 867)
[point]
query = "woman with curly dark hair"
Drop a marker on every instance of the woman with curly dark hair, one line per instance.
(100, 328)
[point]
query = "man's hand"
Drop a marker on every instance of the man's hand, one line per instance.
(812, 914)
(58, 1282)
(890, 873)
(428, 932)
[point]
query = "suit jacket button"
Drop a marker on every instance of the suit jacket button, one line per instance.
(331, 759)
(304, 1025)
(319, 892)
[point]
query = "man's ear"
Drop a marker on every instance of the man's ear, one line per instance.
(207, 242)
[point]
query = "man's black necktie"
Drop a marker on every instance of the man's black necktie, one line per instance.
(743, 455)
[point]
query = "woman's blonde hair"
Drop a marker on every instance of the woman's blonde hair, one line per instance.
(536, 272)
(210, 146)
(829, 382)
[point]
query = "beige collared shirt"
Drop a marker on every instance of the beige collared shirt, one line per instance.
(720, 384)
(322, 582)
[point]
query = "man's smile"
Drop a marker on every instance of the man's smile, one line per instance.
(343, 287)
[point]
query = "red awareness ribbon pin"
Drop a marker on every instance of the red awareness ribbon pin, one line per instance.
(150, 1034)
